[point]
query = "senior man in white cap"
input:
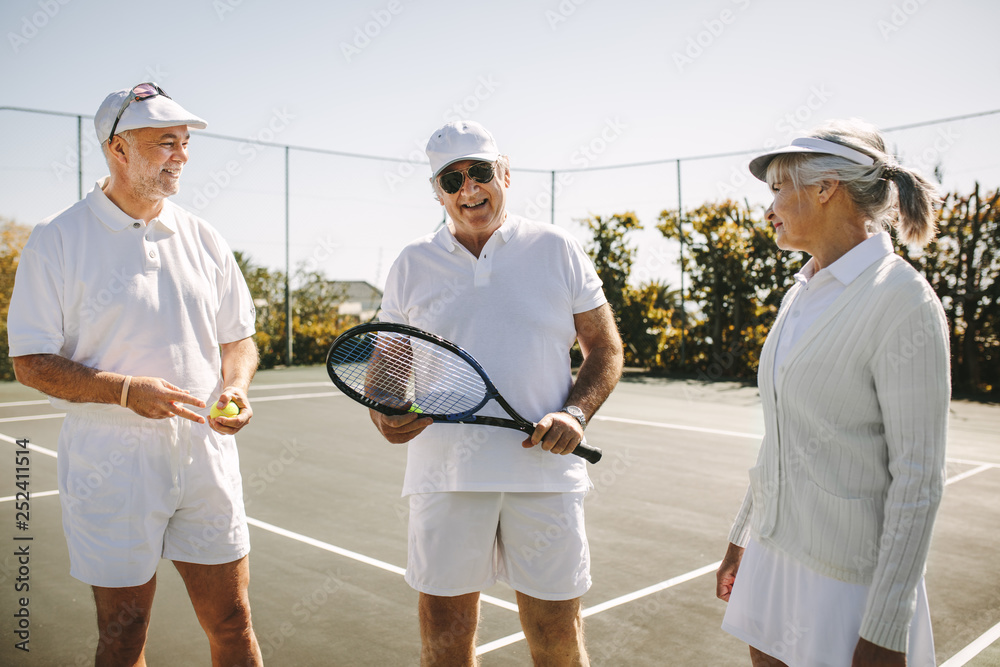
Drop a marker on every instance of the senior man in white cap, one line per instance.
(132, 315)
(486, 506)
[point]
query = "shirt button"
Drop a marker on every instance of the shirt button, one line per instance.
(135, 225)
(152, 255)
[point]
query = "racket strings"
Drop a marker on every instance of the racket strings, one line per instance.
(407, 373)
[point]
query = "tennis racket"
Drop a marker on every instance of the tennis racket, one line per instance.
(397, 369)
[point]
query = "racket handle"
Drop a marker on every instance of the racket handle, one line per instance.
(585, 451)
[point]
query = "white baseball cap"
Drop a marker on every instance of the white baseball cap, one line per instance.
(156, 111)
(758, 165)
(460, 140)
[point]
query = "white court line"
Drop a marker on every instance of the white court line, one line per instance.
(17, 404)
(959, 659)
(649, 590)
(34, 494)
(382, 565)
(294, 385)
(32, 446)
(969, 473)
(326, 547)
(256, 399)
(292, 397)
(610, 604)
(973, 463)
(28, 418)
(981, 466)
(973, 649)
(679, 427)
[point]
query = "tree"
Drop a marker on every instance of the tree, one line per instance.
(316, 320)
(612, 254)
(738, 277)
(13, 236)
(962, 265)
(644, 314)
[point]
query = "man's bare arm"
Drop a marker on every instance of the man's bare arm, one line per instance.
(60, 377)
(596, 378)
(603, 359)
(239, 364)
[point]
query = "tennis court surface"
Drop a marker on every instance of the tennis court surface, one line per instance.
(328, 530)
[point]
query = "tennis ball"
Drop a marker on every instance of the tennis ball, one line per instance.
(230, 410)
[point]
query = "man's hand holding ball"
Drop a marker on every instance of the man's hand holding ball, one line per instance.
(230, 412)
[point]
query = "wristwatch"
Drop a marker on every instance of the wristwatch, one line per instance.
(576, 413)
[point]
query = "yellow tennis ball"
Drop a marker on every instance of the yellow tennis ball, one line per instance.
(230, 410)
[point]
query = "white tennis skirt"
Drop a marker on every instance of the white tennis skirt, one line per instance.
(805, 619)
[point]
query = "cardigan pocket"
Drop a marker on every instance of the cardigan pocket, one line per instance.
(841, 533)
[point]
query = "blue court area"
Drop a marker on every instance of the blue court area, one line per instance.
(328, 530)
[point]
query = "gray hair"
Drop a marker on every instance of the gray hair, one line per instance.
(126, 136)
(503, 168)
(886, 193)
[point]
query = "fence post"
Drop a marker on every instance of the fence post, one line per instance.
(288, 271)
(680, 235)
(79, 157)
(552, 203)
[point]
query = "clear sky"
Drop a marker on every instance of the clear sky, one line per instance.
(562, 84)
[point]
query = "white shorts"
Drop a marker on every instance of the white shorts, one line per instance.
(136, 490)
(465, 542)
(802, 618)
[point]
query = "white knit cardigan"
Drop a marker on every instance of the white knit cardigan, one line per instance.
(851, 469)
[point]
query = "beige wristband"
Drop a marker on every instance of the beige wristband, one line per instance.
(128, 381)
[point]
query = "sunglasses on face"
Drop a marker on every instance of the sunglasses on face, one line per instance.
(480, 172)
(141, 92)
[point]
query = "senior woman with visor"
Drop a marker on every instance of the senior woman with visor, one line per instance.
(827, 554)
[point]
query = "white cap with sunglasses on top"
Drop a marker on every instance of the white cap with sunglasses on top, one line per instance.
(460, 140)
(144, 105)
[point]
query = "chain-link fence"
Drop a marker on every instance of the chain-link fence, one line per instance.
(347, 216)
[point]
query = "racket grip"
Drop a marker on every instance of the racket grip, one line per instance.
(585, 451)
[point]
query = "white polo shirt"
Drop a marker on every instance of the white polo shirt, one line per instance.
(512, 309)
(107, 291)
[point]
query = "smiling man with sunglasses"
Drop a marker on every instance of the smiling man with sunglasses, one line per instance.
(487, 505)
(132, 315)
